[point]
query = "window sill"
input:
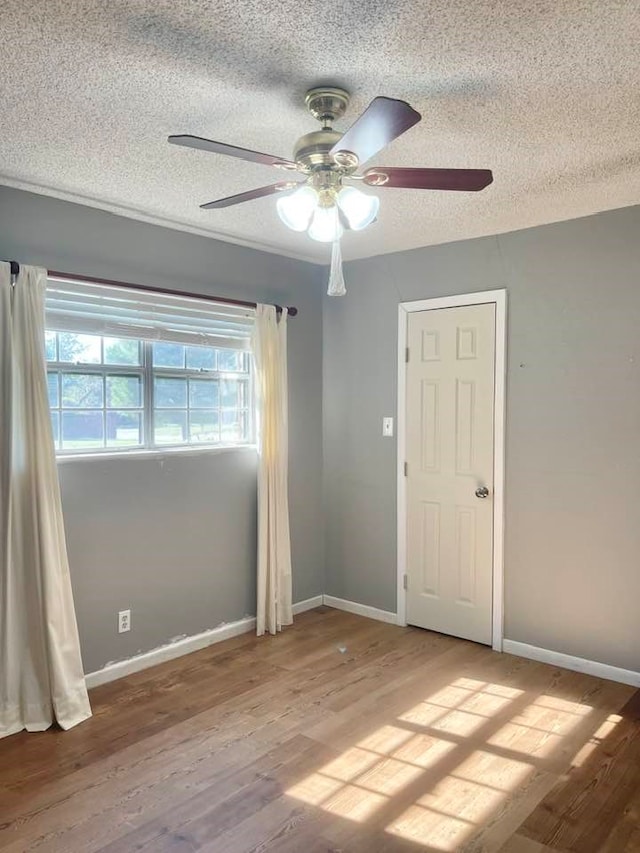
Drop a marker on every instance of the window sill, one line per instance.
(156, 453)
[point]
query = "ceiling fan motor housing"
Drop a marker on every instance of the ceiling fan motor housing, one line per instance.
(312, 149)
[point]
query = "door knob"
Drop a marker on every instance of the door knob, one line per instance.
(482, 492)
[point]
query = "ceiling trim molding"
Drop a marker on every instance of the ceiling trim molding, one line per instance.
(150, 219)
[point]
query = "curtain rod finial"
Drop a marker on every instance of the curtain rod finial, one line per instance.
(14, 267)
(292, 311)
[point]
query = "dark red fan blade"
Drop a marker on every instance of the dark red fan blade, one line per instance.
(466, 180)
(382, 122)
(230, 200)
(231, 150)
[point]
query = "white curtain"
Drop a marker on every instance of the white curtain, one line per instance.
(274, 549)
(41, 676)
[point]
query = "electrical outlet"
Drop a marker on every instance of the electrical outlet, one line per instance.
(124, 621)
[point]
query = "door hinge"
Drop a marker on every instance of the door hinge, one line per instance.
(406, 355)
(405, 582)
(406, 469)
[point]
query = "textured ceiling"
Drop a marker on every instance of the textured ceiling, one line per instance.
(544, 92)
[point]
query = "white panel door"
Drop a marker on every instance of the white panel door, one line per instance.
(449, 445)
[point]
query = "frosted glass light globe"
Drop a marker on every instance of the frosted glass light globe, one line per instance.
(295, 210)
(325, 225)
(359, 208)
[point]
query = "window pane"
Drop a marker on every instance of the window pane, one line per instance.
(121, 351)
(52, 383)
(204, 427)
(168, 355)
(231, 426)
(124, 429)
(55, 426)
(104, 405)
(244, 426)
(50, 346)
(229, 392)
(124, 392)
(243, 394)
(201, 358)
(231, 360)
(82, 430)
(81, 390)
(170, 393)
(203, 393)
(76, 348)
(170, 427)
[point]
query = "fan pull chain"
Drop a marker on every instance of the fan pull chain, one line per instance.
(336, 277)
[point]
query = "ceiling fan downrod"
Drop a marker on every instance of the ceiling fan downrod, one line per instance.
(312, 152)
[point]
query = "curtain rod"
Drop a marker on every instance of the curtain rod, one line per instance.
(15, 269)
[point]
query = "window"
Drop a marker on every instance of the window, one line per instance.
(119, 393)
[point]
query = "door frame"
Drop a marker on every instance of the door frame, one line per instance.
(499, 299)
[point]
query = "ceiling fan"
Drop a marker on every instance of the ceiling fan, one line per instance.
(318, 197)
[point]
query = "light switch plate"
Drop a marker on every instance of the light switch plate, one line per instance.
(387, 427)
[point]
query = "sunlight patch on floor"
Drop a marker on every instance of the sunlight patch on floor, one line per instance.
(389, 776)
(459, 723)
(420, 778)
(354, 803)
(596, 739)
(386, 739)
(520, 738)
(315, 789)
(493, 771)
(461, 802)
(557, 704)
(424, 751)
(422, 825)
(462, 707)
(351, 763)
(539, 729)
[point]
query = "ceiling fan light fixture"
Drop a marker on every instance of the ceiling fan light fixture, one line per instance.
(359, 208)
(325, 226)
(296, 209)
(324, 207)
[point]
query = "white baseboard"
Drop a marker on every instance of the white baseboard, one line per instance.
(360, 609)
(112, 671)
(590, 667)
(307, 604)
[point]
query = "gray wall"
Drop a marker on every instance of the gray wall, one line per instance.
(572, 569)
(173, 537)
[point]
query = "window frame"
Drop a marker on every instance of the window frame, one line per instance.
(148, 372)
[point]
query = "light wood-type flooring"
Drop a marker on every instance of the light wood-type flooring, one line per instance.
(340, 734)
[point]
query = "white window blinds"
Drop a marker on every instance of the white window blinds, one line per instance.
(73, 306)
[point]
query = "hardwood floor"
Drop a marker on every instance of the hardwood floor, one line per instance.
(404, 741)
